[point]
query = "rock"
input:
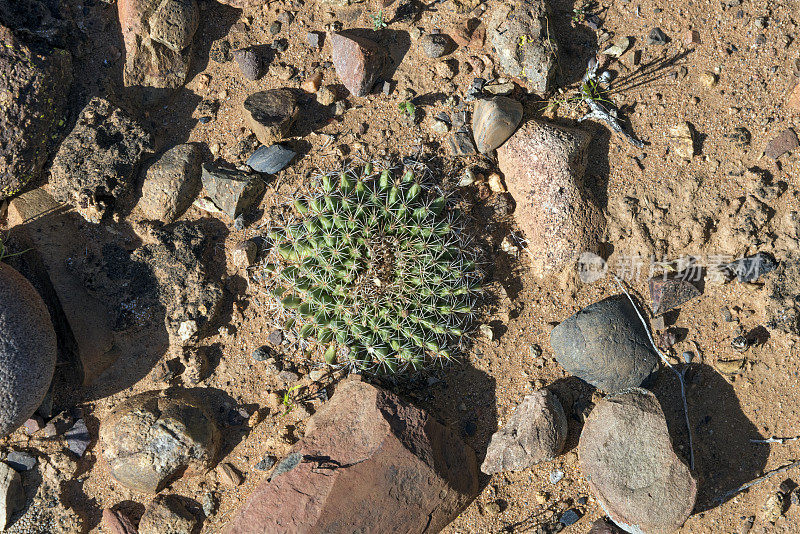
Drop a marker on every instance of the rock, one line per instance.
(519, 35)
(681, 140)
(95, 167)
(244, 254)
(270, 159)
(229, 476)
(691, 37)
(627, 457)
(35, 84)
(270, 114)
(158, 36)
(231, 191)
(494, 120)
(171, 183)
(606, 345)
(500, 89)
(620, 47)
(535, 432)
(358, 61)
(543, 165)
(314, 40)
(751, 268)
(782, 288)
(784, 142)
(249, 62)
(436, 45)
(27, 350)
(392, 465)
(312, 83)
(78, 438)
(326, 95)
(460, 143)
(20, 461)
(793, 102)
(667, 294)
(148, 440)
(166, 514)
(709, 79)
(12, 494)
(601, 526)
(656, 37)
(116, 522)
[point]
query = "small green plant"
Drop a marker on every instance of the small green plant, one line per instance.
(4, 253)
(378, 22)
(407, 107)
(288, 402)
(376, 273)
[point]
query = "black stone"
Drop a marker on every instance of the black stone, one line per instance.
(270, 159)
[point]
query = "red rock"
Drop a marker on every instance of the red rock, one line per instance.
(117, 523)
(358, 61)
(784, 142)
(478, 37)
(369, 463)
(667, 294)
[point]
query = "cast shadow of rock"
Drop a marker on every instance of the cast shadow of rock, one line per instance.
(724, 456)
(575, 396)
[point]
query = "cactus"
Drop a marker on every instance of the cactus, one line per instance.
(376, 272)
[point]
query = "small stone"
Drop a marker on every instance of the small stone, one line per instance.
(326, 95)
(656, 37)
(270, 114)
(618, 48)
(232, 191)
(668, 294)
(20, 461)
(249, 62)
(12, 494)
(339, 108)
(496, 183)
(275, 27)
(171, 183)
(570, 517)
(266, 463)
(275, 338)
(439, 127)
(460, 143)
(314, 40)
(244, 254)
(494, 121)
(116, 522)
(556, 476)
(33, 425)
(773, 508)
(784, 142)
(262, 354)
(436, 45)
(751, 268)
(541, 497)
(500, 89)
(793, 102)
(312, 83)
(486, 331)
(709, 79)
(358, 61)
(493, 508)
(681, 140)
(229, 476)
(446, 69)
(270, 159)
(691, 37)
(740, 137)
(166, 514)
(196, 364)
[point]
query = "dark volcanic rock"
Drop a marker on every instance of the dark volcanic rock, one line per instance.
(667, 294)
(606, 345)
(270, 159)
(232, 191)
(95, 167)
(34, 84)
(249, 62)
(271, 113)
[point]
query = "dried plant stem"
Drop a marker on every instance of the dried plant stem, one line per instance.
(755, 481)
(775, 440)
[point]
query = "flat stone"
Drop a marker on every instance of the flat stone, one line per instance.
(751, 268)
(78, 438)
(460, 143)
(27, 350)
(784, 142)
(12, 494)
(656, 37)
(167, 514)
(390, 464)
(544, 167)
(20, 461)
(667, 294)
(270, 114)
(232, 191)
(606, 345)
(627, 457)
(494, 120)
(171, 183)
(148, 440)
(535, 432)
(358, 61)
(270, 159)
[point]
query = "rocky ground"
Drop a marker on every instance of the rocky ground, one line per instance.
(149, 148)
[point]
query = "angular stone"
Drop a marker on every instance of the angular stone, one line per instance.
(606, 345)
(535, 432)
(436, 45)
(494, 120)
(460, 143)
(270, 159)
(171, 183)
(167, 515)
(270, 114)
(358, 61)
(784, 142)
(95, 167)
(20, 461)
(12, 494)
(544, 166)
(232, 191)
(116, 522)
(78, 438)
(793, 101)
(367, 460)
(751, 268)
(148, 440)
(667, 294)
(518, 32)
(627, 457)
(34, 85)
(27, 350)
(249, 62)
(174, 22)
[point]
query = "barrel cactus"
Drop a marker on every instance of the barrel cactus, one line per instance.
(375, 272)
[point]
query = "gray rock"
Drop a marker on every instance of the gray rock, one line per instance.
(606, 345)
(543, 165)
(518, 32)
(95, 167)
(782, 288)
(20, 461)
(171, 183)
(78, 438)
(232, 191)
(494, 121)
(627, 457)
(35, 85)
(784, 142)
(270, 114)
(314, 39)
(12, 494)
(249, 62)
(656, 37)
(669, 293)
(27, 350)
(535, 432)
(149, 440)
(270, 159)
(436, 45)
(167, 515)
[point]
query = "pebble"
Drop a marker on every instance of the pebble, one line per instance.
(784, 142)
(262, 354)
(78, 438)
(556, 476)
(681, 140)
(709, 79)
(446, 69)
(20, 461)
(570, 517)
(618, 48)
(656, 37)
(249, 62)
(439, 127)
(691, 37)
(266, 463)
(494, 121)
(229, 476)
(326, 95)
(270, 159)
(312, 83)
(314, 39)
(493, 508)
(496, 183)
(436, 45)
(358, 61)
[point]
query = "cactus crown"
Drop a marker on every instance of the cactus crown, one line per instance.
(376, 271)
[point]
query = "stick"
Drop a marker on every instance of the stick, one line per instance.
(775, 440)
(668, 364)
(755, 481)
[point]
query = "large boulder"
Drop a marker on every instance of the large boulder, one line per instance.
(151, 439)
(34, 84)
(27, 350)
(369, 462)
(535, 432)
(95, 167)
(606, 345)
(544, 166)
(627, 457)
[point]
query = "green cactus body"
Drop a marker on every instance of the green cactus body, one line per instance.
(376, 272)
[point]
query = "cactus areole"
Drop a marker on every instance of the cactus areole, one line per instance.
(375, 273)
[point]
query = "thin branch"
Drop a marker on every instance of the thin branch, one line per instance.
(775, 440)
(755, 481)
